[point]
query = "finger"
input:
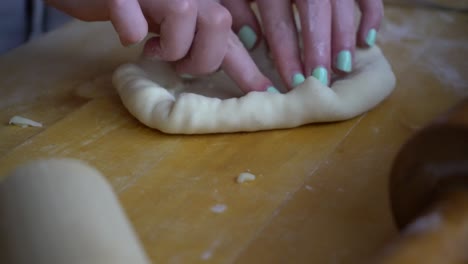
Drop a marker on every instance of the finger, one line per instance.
(128, 20)
(211, 40)
(343, 35)
(315, 17)
(371, 17)
(281, 33)
(238, 65)
(244, 22)
(177, 20)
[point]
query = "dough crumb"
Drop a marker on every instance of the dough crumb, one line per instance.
(219, 208)
(309, 188)
(206, 255)
(23, 122)
(245, 176)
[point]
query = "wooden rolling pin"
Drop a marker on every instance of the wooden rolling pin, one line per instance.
(429, 194)
(63, 211)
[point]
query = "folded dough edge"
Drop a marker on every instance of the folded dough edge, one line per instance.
(188, 113)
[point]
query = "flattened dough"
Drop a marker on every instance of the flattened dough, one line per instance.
(157, 97)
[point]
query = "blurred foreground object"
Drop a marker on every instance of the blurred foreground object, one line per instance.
(63, 211)
(429, 193)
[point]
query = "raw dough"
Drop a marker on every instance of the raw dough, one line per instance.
(245, 176)
(219, 208)
(23, 122)
(160, 99)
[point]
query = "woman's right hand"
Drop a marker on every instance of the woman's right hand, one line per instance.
(194, 35)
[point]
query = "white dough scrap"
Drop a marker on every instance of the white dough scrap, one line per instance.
(157, 97)
(23, 122)
(244, 177)
(219, 208)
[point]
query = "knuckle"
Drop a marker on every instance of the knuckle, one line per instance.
(217, 16)
(181, 7)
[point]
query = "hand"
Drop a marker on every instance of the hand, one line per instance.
(195, 35)
(328, 34)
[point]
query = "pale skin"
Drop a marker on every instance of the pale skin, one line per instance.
(327, 29)
(200, 36)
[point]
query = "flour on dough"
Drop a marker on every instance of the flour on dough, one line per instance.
(160, 99)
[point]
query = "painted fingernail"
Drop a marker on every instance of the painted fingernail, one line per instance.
(320, 73)
(186, 76)
(371, 36)
(344, 62)
(247, 36)
(272, 89)
(297, 79)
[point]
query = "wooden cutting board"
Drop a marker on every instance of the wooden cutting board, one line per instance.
(321, 190)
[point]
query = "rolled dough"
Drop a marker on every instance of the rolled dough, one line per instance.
(160, 99)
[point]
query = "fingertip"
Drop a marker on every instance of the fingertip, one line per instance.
(181, 70)
(371, 37)
(256, 81)
(248, 37)
(372, 15)
(297, 79)
(343, 36)
(258, 84)
(344, 61)
(273, 90)
(128, 21)
(244, 23)
(282, 36)
(367, 34)
(321, 74)
(131, 39)
(316, 34)
(367, 37)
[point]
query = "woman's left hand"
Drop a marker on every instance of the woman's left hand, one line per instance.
(328, 34)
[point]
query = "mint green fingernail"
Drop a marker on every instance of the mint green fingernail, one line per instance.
(272, 89)
(320, 73)
(247, 36)
(186, 76)
(371, 36)
(298, 79)
(344, 62)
